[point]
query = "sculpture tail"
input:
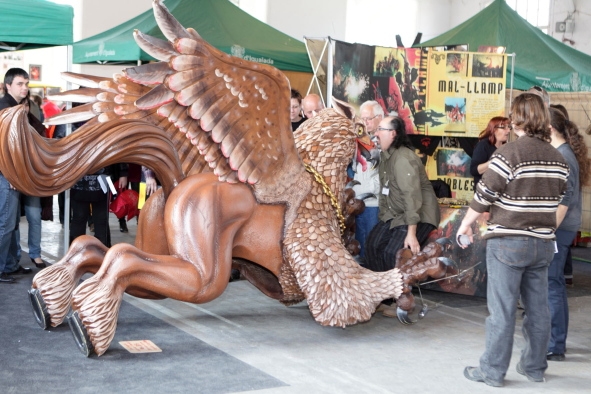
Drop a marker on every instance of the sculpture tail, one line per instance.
(43, 167)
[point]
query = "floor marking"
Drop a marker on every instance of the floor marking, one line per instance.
(212, 314)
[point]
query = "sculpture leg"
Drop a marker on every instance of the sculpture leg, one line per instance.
(199, 232)
(52, 288)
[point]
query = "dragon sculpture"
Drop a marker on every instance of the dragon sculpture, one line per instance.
(239, 189)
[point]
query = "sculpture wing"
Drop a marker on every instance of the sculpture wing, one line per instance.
(105, 99)
(243, 106)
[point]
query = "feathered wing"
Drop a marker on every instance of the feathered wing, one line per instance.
(233, 110)
(104, 99)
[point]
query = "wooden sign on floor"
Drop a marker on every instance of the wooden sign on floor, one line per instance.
(145, 346)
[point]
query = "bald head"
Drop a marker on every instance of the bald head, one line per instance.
(311, 105)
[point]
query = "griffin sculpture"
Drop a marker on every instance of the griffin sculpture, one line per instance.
(270, 205)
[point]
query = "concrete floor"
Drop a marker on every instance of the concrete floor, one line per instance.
(246, 342)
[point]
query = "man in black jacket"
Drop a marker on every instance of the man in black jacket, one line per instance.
(16, 89)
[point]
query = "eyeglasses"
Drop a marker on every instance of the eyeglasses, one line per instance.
(365, 120)
(384, 129)
(504, 126)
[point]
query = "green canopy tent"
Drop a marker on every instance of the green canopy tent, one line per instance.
(540, 59)
(220, 22)
(29, 24)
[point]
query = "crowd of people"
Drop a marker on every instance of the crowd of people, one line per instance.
(529, 189)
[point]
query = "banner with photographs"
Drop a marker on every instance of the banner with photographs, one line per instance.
(464, 91)
(389, 76)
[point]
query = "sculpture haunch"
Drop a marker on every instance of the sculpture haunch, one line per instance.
(268, 206)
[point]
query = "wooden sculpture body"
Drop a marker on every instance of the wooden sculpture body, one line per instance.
(270, 207)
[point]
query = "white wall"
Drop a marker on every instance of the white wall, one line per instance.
(581, 34)
(310, 18)
(374, 22)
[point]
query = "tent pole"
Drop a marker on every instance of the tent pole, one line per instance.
(68, 132)
(329, 65)
(512, 76)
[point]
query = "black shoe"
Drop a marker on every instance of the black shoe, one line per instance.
(4, 278)
(21, 271)
(40, 265)
(123, 226)
(551, 356)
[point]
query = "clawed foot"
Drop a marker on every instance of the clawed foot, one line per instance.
(428, 263)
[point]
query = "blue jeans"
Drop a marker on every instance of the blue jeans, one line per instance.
(33, 214)
(364, 222)
(557, 300)
(517, 265)
(8, 220)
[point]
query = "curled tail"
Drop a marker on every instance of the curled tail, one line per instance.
(43, 167)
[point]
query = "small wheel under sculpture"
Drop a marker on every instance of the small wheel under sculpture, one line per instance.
(80, 334)
(40, 311)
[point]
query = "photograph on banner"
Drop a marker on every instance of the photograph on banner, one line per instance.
(389, 76)
(452, 165)
(467, 88)
(352, 73)
(471, 261)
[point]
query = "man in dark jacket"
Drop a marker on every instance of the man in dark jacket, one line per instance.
(16, 88)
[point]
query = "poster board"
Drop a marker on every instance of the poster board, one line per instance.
(467, 88)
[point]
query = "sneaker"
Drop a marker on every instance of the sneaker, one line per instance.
(551, 356)
(520, 371)
(474, 374)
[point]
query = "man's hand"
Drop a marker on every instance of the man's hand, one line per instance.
(122, 183)
(411, 240)
(151, 186)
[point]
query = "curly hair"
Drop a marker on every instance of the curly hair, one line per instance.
(570, 132)
(530, 114)
(489, 132)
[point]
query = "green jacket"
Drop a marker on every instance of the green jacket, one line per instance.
(406, 194)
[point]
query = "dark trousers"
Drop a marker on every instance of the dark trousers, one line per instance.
(383, 243)
(100, 216)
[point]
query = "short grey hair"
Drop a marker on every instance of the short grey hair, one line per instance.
(377, 108)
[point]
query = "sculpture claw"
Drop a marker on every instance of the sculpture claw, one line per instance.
(351, 184)
(444, 241)
(365, 196)
(448, 262)
(403, 316)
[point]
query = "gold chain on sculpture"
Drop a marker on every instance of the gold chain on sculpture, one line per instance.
(333, 199)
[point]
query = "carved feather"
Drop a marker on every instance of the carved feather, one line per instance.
(89, 81)
(170, 27)
(84, 95)
(148, 74)
(156, 97)
(155, 47)
(77, 114)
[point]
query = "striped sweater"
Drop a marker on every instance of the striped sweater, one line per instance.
(524, 183)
